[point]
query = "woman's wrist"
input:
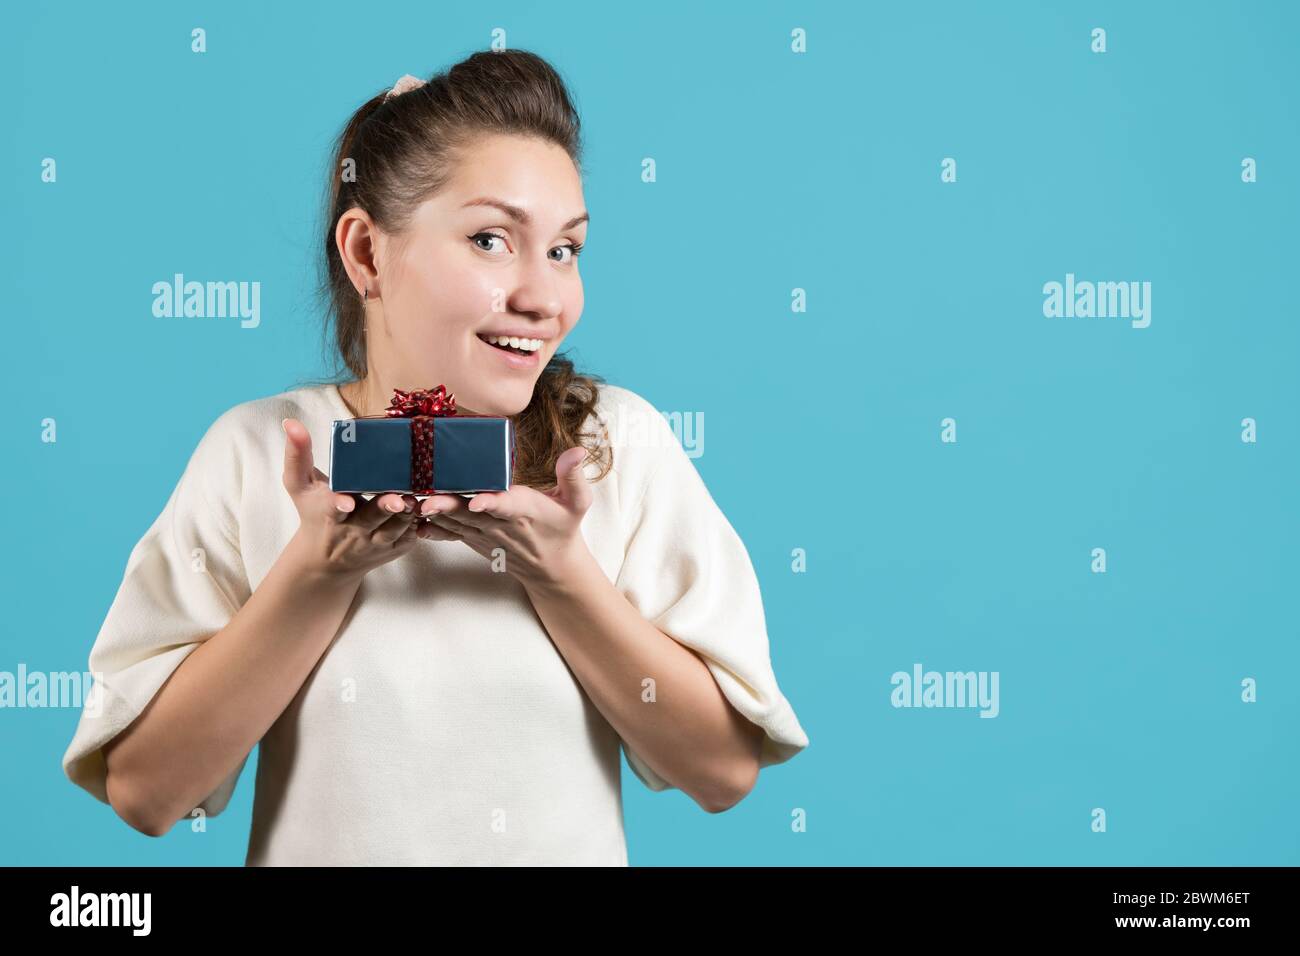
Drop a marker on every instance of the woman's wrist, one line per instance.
(564, 573)
(303, 567)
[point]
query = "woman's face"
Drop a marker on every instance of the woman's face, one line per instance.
(492, 254)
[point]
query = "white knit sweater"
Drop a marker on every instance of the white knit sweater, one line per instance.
(442, 726)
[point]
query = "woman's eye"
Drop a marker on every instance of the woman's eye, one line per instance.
(489, 236)
(574, 249)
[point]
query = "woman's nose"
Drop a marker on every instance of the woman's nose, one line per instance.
(536, 292)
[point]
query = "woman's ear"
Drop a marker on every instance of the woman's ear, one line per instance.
(355, 236)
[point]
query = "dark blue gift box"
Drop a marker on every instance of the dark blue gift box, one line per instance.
(373, 455)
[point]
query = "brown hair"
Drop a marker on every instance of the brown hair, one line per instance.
(403, 150)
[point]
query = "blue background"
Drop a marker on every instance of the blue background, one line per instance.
(776, 171)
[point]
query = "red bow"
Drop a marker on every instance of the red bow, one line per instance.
(422, 401)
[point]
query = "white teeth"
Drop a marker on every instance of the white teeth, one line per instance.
(528, 345)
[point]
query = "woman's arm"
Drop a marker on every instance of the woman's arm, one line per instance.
(226, 694)
(691, 736)
(223, 698)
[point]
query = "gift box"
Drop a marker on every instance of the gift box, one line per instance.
(421, 445)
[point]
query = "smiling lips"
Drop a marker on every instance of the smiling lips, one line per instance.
(518, 353)
(515, 342)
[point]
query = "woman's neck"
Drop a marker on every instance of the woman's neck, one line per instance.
(356, 397)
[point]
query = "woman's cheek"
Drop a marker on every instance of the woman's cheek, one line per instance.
(573, 308)
(458, 302)
(469, 292)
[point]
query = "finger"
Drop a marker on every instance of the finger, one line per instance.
(400, 526)
(407, 535)
(441, 504)
(430, 531)
(500, 505)
(344, 505)
(372, 514)
(401, 516)
(571, 484)
(454, 512)
(298, 466)
(452, 522)
(395, 503)
(403, 520)
(469, 525)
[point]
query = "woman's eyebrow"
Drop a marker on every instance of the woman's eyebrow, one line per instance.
(521, 216)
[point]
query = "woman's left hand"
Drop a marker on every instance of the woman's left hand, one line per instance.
(538, 532)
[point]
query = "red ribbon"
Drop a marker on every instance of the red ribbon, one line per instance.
(422, 406)
(422, 401)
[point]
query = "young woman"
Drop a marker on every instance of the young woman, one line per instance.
(442, 680)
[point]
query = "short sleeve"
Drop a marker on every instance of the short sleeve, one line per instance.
(184, 580)
(687, 571)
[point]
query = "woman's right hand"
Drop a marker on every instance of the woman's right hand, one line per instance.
(342, 535)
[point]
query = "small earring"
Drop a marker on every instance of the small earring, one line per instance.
(365, 296)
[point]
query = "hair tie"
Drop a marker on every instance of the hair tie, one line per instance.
(404, 85)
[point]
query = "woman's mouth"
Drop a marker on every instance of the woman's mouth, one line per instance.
(523, 354)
